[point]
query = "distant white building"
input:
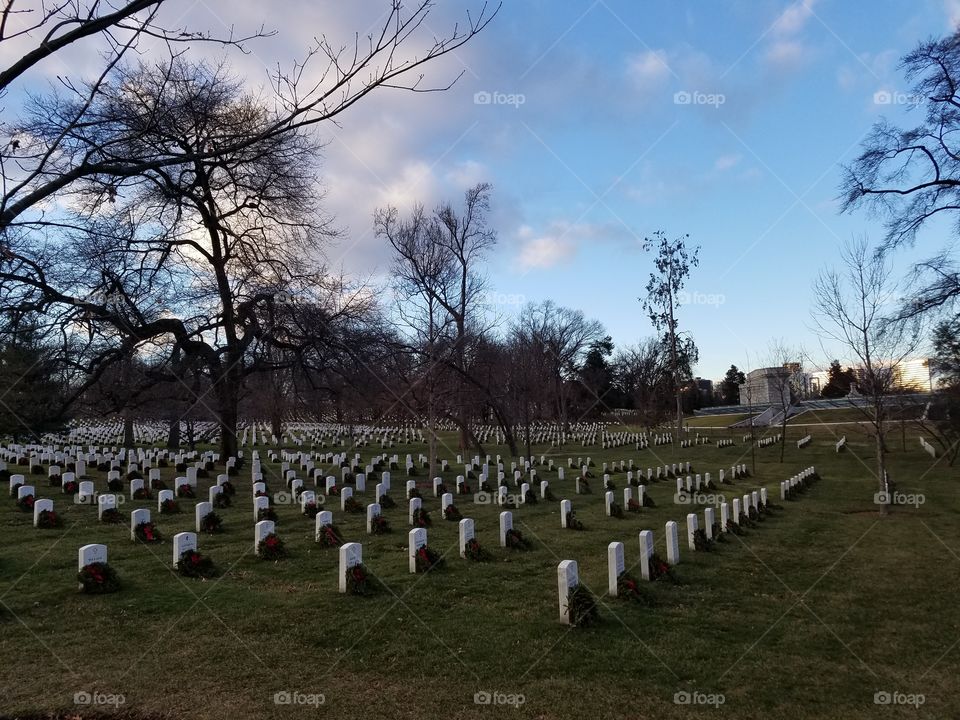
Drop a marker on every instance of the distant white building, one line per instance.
(767, 386)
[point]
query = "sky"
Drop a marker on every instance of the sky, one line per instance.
(601, 122)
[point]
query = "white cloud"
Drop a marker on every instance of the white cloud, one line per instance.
(794, 18)
(952, 8)
(725, 162)
(649, 68)
(546, 251)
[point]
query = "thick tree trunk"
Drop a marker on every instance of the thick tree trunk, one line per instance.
(228, 408)
(173, 435)
(128, 441)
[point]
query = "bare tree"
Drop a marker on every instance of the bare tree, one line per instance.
(786, 382)
(561, 336)
(36, 169)
(672, 264)
(910, 176)
(851, 307)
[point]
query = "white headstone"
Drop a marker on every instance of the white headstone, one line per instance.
(138, 517)
(201, 511)
(415, 504)
(709, 518)
(506, 523)
(39, 506)
(568, 576)
(324, 517)
(417, 538)
(351, 554)
(646, 550)
(345, 495)
(105, 502)
(673, 543)
(181, 543)
(615, 566)
(466, 534)
(692, 527)
(565, 507)
(260, 531)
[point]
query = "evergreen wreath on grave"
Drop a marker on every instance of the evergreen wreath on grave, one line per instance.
(753, 514)
(194, 565)
(660, 570)
(221, 501)
(530, 497)
(211, 523)
(262, 493)
(13, 490)
(718, 533)
(379, 525)
(36, 469)
(169, 507)
(204, 472)
(548, 495)
(186, 491)
(633, 505)
(584, 486)
(463, 488)
(727, 481)
(267, 513)
(142, 494)
(572, 522)
(180, 467)
(353, 507)
(334, 490)
(733, 528)
(134, 475)
(98, 578)
(581, 606)
(616, 511)
(745, 520)
(762, 507)
(48, 520)
(158, 484)
(311, 509)
(146, 532)
(111, 516)
(515, 540)
(271, 548)
(629, 588)
(486, 487)
(162, 462)
(115, 485)
(54, 480)
(233, 471)
(329, 536)
(608, 485)
(387, 502)
(427, 558)
(26, 503)
(413, 493)
(360, 581)
(451, 513)
(4, 475)
(701, 543)
(228, 489)
(473, 551)
(421, 518)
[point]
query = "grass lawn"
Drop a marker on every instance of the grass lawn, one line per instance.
(810, 615)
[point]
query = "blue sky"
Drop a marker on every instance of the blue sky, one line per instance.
(600, 153)
(575, 112)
